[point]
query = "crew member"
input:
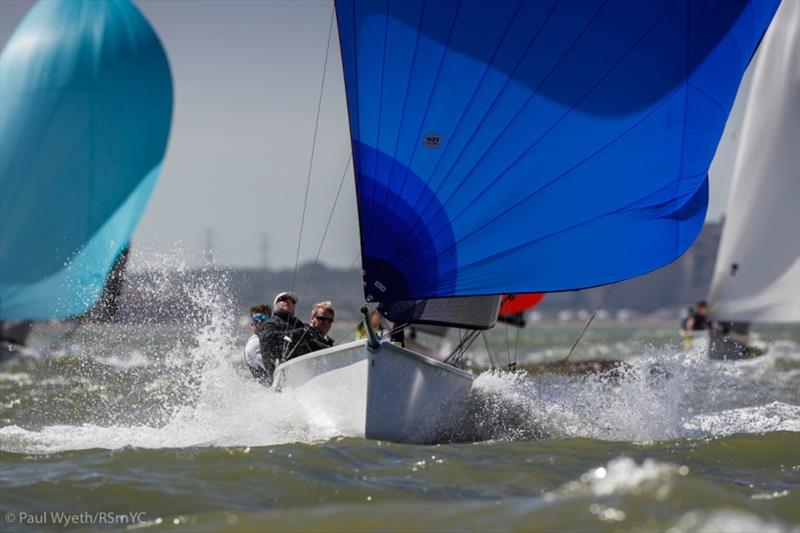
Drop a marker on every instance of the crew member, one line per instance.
(375, 320)
(282, 334)
(259, 314)
(698, 320)
(322, 316)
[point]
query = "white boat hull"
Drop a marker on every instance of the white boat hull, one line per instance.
(389, 393)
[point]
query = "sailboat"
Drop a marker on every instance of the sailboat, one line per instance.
(514, 147)
(757, 273)
(87, 106)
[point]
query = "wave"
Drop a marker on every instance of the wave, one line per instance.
(141, 386)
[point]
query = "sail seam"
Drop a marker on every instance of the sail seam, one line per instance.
(727, 25)
(492, 145)
(527, 150)
(355, 124)
(405, 102)
(480, 124)
(469, 103)
(527, 197)
(380, 112)
(677, 241)
(710, 97)
(427, 105)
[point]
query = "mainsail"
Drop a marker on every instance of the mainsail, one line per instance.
(757, 275)
(87, 105)
(521, 146)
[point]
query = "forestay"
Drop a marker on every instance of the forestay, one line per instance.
(757, 275)
(535, 146)
(87, 105)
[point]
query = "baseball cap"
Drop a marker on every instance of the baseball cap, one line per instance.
(285, 294)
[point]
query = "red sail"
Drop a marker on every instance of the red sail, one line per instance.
(517, 303)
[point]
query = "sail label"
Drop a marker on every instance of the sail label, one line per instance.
(433, 140)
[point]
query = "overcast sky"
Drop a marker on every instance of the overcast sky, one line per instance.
(247, 77)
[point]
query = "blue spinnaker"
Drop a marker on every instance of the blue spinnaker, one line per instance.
(535, 146)
(86, 111)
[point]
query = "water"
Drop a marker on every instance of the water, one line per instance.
(160, 426)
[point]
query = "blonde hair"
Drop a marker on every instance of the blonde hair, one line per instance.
(325, 306)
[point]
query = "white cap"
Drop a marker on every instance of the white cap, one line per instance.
(290, 294)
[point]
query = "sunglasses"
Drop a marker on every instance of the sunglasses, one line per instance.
(285, 299)
(258, 318)
(323, 318)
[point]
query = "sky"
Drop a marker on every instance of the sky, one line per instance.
(247, 76)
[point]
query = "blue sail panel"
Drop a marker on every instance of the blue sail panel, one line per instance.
(535, 146)
(75, 288)
(87, 107)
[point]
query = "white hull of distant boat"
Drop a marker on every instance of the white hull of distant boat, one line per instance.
(387, 393)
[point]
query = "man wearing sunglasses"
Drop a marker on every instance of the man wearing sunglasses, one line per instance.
(259, 314)
(322, 315)
(281, 336)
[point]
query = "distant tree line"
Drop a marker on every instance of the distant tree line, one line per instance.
(170, 296)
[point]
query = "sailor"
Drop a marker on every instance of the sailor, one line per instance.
(282, 334)
(321, 321)
(698, 319)
(376, 321)
(379, 326)
(259, 314)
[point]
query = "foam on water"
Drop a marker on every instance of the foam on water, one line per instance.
(196, 392)
(623, 475)
(663, 394)
(622, 478)
(776, 416)
(227, 408)
(727, 521)
(207, 398)
(252, 418)
(18, 378)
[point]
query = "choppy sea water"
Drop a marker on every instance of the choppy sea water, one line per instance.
(153, 427)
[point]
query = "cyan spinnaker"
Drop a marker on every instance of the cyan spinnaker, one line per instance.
(535, 146)
(85, 116)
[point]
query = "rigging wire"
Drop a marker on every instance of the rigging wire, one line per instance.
(327, 226)
(348, 337)
(610, 288)
(313, 149)
(492, 359)
(397, 329)
(462, 347)
(508, 347)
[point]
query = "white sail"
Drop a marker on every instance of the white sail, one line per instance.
(757, 275)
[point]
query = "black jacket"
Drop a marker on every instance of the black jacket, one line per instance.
(318, 341)
(309, 341)
(280, 338)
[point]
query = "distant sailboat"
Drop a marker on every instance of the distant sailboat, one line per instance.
(514, 147)
(757, 274)
(87, 106)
